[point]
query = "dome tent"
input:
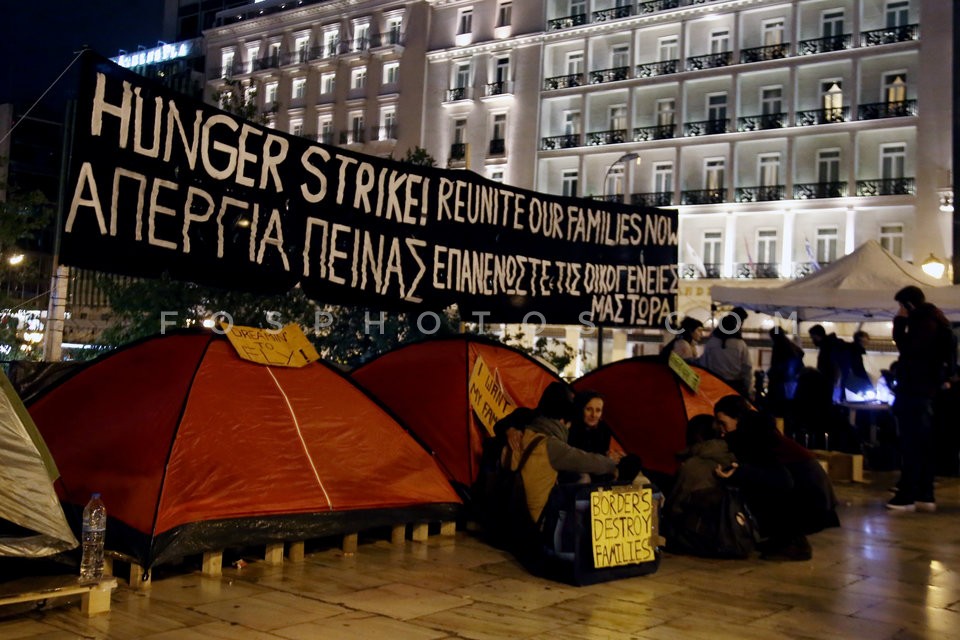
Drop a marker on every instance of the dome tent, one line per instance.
(647, 406)
(194, 449)
(426, 384)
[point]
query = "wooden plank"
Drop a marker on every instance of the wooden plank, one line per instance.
(296, 552)
(97, 599)
(420, 532)
(139, 580)
(212, 564)
(95, 596)
(448, 528)
(350, 543)
(274, 553)
(398, 534)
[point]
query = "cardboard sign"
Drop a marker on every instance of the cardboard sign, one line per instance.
(689, 377)
(286, 347)
(622, 526)
(488, 399)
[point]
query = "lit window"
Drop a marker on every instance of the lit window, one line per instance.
(299, 88)
(465, 22)
(361, 36)
(328, 83)
(504, 14)
(891, 238)
(296, 127)
(391, 73)
(569, 181)
(388, 124)
(358, 78)
(270, 94)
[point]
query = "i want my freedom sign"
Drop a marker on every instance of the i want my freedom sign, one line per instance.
(161, 183)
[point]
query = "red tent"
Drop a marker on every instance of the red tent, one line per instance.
(196, 449)
(426, 385)
(647, 406)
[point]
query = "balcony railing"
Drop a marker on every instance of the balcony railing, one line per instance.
(609, 197)
(758, 270)
(653, 6)
(822, 116)
(707, 270)
(388, 132)
(609, 75)
(703, 196)
(709, 61)
(761, 122)
(567, 22)
(886, 187)
(614, 13)
(656, 132)
(898, 109)
(566, 141)
(498, 88)
(326, 137)
(825, 45)
(498, 147)
(296, 57)
(760, 194)
(653, 69)
(706, 127)
(458, 93)
(769, 52)
(563, 82)
(267, 62)
(801, 269)
(889, 35)
(611, 136)
(458, 151)
(816, 190)
(654, 199)
(388, 39)
(354, 136)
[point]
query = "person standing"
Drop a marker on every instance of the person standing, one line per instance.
(833, 358)
(726, 355)
(786, 363)
(925, 342)
(685, 341)
(859, 380)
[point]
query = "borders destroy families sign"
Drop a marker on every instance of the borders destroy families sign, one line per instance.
(161, 183)
(621, 525)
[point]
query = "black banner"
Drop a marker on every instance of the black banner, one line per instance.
(160, 182)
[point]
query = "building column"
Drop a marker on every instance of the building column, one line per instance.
(786, 258)
(849, 231)
(730, 244)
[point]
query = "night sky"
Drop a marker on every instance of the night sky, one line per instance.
(39, 39)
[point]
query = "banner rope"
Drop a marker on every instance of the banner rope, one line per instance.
(42, 96)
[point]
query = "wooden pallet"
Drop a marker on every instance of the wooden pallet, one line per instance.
(94, 596)
(841, 467)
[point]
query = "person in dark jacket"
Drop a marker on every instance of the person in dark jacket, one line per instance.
(833, 358)
(927, 361)
(786, 363)
(859, 380)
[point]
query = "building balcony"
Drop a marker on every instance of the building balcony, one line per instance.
(654, 199)
(296, 57)
(656, 132)
(706, 127)
(354, 136)
(758, 270)
(609, 75)
(825, 45)
(822, 116)
(889, 35)
(801, 269)
(703, 196)
(709, 61)
(389, 39)
(653, 6)
(693, 271)
(761, 122)
(877, 110)
(609, 197)
(563, 82)
(567, 22)
(498, 147)
(326, 137)
(611, 136)
(653, 69)
(267, 62)
(614, 13)
(388, 132)
(458, 151)
(817, 190)
(769, 52)
(760, 194)
(886, 187)
(498, 88)
(566, 141)
(458, 93)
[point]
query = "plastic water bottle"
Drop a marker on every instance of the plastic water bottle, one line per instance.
(94, 532)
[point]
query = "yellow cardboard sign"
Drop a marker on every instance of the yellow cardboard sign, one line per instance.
(690, 377)
(286, 347)
(488, 398)
(622, 526)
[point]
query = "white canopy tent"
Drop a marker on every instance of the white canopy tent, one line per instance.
(858, 287)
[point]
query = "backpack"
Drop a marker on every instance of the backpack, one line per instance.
(508, 520)
(716, 523)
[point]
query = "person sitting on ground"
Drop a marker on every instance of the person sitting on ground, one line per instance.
(590, 432)
(685, 340)
(726, 355)
(789, 492)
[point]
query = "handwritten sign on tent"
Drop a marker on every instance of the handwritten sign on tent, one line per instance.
(685, 372)
(286, 347)
(488, 398)
(160, 183)
(621, 524)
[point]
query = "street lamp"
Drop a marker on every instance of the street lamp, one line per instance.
(627, 157)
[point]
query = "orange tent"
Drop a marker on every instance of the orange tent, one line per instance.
(426, 384)
(195, 449)
(647, 406)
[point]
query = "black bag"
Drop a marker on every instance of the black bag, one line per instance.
(508, 522)
(737, 534)
(715, 523)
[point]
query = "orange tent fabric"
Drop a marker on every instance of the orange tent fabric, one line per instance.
(647, 406)
(425, 384)
(195, 449)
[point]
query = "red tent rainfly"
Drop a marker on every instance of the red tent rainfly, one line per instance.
(647, 406)
(426, 385)
(195, 449)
